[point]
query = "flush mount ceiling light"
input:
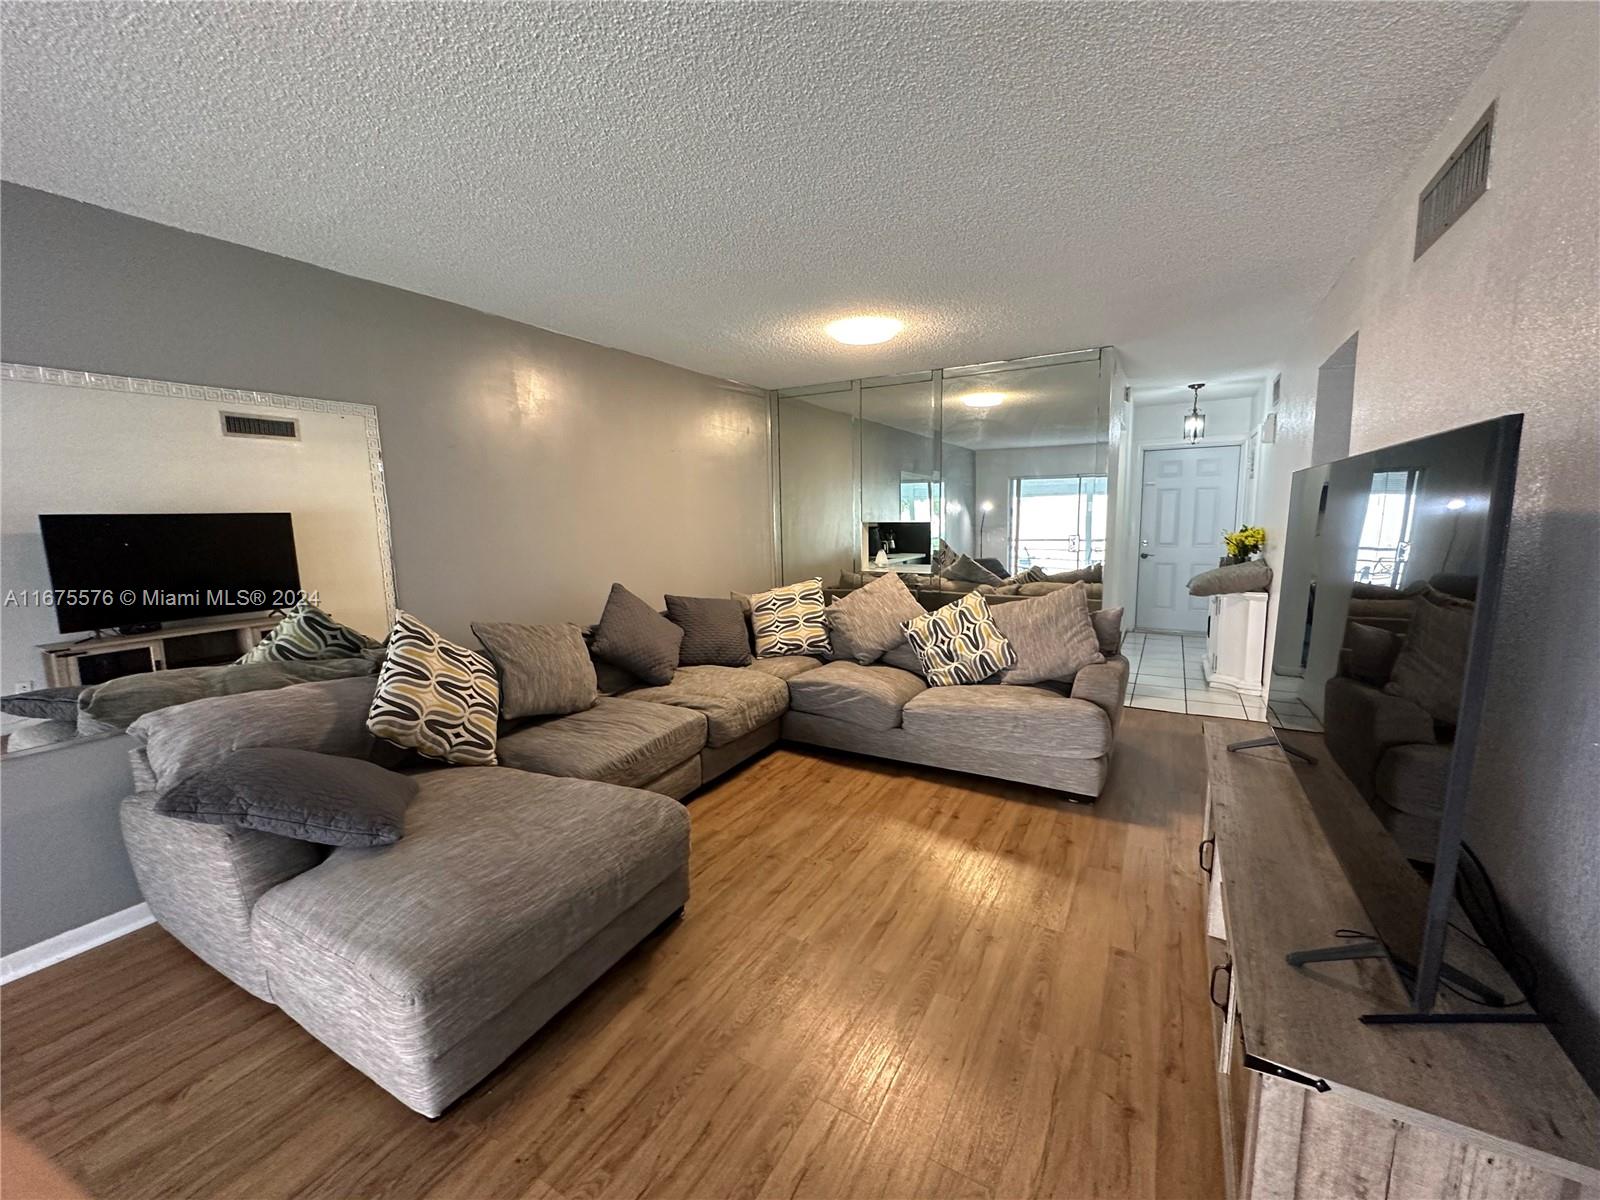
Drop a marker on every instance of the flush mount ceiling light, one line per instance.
(1455, 505)
(864, 331)
(983, 399)
(1194, 421)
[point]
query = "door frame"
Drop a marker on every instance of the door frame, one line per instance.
(1138, 517)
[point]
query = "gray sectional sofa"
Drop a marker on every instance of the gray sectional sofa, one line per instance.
(426, 963)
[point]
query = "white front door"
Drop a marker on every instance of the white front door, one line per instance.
(1191, 495)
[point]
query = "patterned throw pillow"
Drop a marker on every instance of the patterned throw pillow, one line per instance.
(959, 643)
(435, 697)
(307, 634)
(1031, 575)
(790, 620)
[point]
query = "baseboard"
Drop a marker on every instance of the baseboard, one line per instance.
(73, 942)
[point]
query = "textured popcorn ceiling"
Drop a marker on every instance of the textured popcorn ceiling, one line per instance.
(709, 184)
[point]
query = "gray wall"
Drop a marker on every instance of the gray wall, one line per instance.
(1501, 315)
(526, 471)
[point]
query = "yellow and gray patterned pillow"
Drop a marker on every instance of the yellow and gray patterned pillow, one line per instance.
(307, 634)
(960, 643)
(790, 620)
(435, 697)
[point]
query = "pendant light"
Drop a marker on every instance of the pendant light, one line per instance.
(1194, 422)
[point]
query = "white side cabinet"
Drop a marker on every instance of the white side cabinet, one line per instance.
(1236, 642)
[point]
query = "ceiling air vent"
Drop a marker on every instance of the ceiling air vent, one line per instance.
(1463, 178)
(241, 425)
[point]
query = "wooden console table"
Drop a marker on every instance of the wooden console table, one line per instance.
(197, 643)
(1316, 1104)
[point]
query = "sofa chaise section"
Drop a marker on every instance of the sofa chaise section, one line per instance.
(425, 963)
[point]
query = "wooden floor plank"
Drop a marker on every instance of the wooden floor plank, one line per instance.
(890, 982)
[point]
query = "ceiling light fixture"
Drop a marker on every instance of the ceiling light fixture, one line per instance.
(1455, 505)
(1194, 421)
(983, 399)
(864, 331)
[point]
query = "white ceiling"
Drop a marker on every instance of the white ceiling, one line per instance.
(709, 183)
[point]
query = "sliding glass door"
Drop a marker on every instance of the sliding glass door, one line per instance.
(1058, 522)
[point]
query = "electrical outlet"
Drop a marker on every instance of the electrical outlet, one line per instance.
(27, 685)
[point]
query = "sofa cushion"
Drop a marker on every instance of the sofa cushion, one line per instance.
(619, 740)
(637, 638)
(735, 700)
(1029, 720)
(545, 670)
(305, 634)
(789, 620)
(785, 668)
(1432, 664)
(1107, 623)
(870, 620)
(1052, 636)
(300, 794)
(871, 697)
(715, 632)
(1090, 574)
(1412, 778)
(330, 718)
(501, 876)
(435, 697)
(960, 643)
(117, 703)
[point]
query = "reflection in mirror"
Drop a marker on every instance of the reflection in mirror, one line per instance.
(818, 437)
(1035, 434)
(900, 480)
(165, 509)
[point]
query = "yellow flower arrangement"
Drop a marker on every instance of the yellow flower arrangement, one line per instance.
(1247, 541)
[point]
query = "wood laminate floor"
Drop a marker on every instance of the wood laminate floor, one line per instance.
(891, 982)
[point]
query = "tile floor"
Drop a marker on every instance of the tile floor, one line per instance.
(1165, 674)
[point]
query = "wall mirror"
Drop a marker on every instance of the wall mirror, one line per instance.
(1003, 464)
(155, 531)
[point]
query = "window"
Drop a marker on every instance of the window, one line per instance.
(1386, 531)
(922, 499)
(1058, 523)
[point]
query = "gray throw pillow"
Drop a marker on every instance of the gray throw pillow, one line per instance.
(1052, 635)
(299, 794)
(970, 570)
(715, 632)
(545, 670)
(904, 655)
(1432, 666)
(1369, 653)
(637, 638)
(1107, 624)
(44, 704)
(871, 619)
(1252, 576)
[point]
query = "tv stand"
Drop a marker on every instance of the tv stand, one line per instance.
(1318, 1094)
(101, 656)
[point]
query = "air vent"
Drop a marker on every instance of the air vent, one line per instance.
(242, 425)
(1458, 184)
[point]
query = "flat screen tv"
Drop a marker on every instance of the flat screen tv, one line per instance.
(122, 569)
(1388, 597)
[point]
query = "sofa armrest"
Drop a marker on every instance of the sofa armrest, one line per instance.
(1104, 685)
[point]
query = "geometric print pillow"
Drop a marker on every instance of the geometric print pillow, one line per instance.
(789, 620)
(435, 697)
(307, 634)
(960, 643)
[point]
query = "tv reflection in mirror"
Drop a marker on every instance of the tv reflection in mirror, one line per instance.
(898, 545)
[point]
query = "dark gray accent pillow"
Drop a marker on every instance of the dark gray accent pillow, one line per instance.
(1107, 624)
(715, 632)
(44, 704)
(637, 638)
(970, 570)
(301, 794)
(1432, 665)
(1252, 576)
(545, 670)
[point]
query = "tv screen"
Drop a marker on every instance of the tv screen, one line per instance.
(120, 569)
(1387, 601)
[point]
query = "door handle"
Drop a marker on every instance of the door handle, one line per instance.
(1144, 554)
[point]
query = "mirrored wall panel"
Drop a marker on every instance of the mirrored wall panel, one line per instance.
(954, 477)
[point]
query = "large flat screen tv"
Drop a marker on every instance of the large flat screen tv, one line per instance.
(1388, 598)
(119, 569)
